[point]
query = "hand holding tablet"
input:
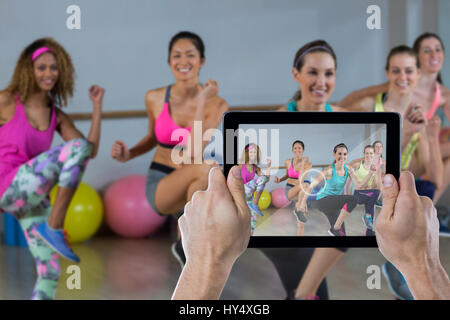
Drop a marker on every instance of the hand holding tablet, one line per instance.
(408, 236)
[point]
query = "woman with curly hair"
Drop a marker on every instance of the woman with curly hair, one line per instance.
(43, 81)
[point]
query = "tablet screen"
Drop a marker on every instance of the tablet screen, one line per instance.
(325, 175)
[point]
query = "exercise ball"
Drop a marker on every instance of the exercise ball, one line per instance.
(264, 200)
(128, 212)
(279, 199)
(84, 215)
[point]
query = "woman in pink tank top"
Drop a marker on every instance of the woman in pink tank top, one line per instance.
(30, 167)
(253, 179)
(177, 169)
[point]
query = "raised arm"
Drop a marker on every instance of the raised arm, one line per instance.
(286, 175)
(355, 163)
(120, 151)
(360, 183)
(209, 112)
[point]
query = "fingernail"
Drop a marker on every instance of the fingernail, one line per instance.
(388, 181)
(237, 172)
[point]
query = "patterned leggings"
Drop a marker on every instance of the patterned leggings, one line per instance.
(27, 199)
(257, 183)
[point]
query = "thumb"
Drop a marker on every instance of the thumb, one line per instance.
(390, 193)
(407, 182)
(121, 143)
(236, 187)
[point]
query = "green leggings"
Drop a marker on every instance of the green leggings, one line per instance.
(27, 199)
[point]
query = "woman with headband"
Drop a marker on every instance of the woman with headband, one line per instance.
(172, 111)
(43, 80)
(314, 69)
(296, 170)
(253, 179)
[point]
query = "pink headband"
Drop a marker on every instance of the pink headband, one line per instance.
(251, 147)
(40, 51)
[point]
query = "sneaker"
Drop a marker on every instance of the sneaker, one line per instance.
(178, 253)
(336, 233)
(368, 221)
(299, 215)
(370, 233)
(255, 208)
(396, 282)
(57, 240)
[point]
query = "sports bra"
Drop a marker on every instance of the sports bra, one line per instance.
(292, 106)
(412, 144)
(168, 133)
(291, 171)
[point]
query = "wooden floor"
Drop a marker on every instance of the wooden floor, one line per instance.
(282, 222)
(116, 268)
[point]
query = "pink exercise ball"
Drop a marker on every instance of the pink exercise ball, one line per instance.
(127, 210)
(279, 199)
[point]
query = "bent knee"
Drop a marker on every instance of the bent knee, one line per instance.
(82, 143)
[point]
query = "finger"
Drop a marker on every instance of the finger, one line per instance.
(197, 197)
(407, 183)
(120, 143)
(216, 179)
(236, 187)
(182, 225)
(390, 194)
(187, 209)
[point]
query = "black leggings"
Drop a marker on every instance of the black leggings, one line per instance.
(331, 206)
(368, 198)
(291, 264)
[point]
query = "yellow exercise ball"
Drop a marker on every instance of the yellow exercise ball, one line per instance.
(85, 213)
(264, 200)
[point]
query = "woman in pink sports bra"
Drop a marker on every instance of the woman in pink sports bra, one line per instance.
(43, 81)
(297, 180)
(172, 111)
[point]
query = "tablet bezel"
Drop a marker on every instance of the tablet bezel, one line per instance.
(392, 120)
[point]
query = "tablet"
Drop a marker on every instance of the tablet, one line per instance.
(326, 158)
